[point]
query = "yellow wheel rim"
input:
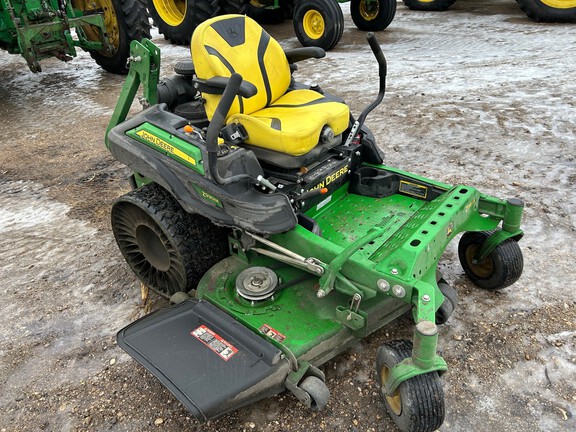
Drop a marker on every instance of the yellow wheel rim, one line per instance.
(110, 21)
(313, 24)
(369, 10)
(172, 12)
(560, 4)
(395, 400)
(482, 269)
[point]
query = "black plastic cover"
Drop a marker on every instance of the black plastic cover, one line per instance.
(209, 361)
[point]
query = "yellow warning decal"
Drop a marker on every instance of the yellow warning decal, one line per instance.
(153, 139)
(413, 189)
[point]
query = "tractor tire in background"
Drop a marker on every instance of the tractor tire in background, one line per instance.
(428, 5)
(262, 12)
(177, 19)
(372, 15)
(126, 20)
(233, 7)
(549, 10)
(318, 23)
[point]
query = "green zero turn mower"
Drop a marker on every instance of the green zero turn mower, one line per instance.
(266, 205)
(316, 22)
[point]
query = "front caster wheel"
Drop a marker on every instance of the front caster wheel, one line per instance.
(318, 391)
(449, 304)
(501, 268)
(417, 405)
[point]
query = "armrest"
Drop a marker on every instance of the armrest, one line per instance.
(216, 85)
(298, 54)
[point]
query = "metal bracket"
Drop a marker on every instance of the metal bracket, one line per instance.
(295, 378)
(351, 317)
(311, 264)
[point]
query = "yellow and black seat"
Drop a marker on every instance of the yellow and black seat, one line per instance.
(278, 119)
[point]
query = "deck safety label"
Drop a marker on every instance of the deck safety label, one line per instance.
(224, 349)
(271, 333)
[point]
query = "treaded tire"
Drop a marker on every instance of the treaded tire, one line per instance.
(539, 11)
(257, 10)
(131, 23)
(498, 270)
(318, 23)
(449, 304)
(418, 403)
(434, 5)
(372, 16)
(176, 24)
(233, 6)
(168, 249)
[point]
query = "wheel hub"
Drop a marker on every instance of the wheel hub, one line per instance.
(172, 12)
(369, 9)
(313, 24)
(395, 400)
(152, 247)
(483, 268)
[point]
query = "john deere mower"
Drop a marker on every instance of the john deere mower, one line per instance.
(264, 208)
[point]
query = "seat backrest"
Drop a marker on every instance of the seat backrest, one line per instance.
(237, 44)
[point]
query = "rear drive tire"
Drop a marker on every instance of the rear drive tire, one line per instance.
(417, 405)
(549, 10)
(167, 248)
(126, 20)
(372, 15)
(434, 5)
(318, 23)
(177, 19)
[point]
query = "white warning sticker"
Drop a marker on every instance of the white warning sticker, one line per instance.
(213, 341)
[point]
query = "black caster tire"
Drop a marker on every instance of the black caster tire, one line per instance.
(318, 23)
(498, 270)
(318, 391)
(549, 11)
(449, 304)
(167, 248)
(372, 15)
(434, 5)
(417, 405)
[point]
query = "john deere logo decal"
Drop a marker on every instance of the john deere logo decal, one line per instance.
(158, 142)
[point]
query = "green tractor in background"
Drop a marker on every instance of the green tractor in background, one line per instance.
(538, 10)
(40, 29)
(316, 22)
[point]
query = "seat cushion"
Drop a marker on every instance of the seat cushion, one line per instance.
(237, 44)
(293, 123)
